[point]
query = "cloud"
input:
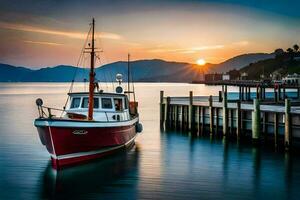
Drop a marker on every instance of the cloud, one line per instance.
(201, 48)
(242, 43)
(42, 43)
(34, 29)
(135, 44)
(186, 50)
(191, 50)
(162, 50)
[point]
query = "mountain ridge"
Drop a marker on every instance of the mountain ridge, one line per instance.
(240, 61)
(147, 70)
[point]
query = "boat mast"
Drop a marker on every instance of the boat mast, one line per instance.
(128, 76)
(92, 76)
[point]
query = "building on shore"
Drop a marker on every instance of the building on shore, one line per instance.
(230, 75)
(234, 74)
(244, 76)
(276, 75)
(292, 79)
(213, 77)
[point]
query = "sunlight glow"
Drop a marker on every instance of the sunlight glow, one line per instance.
(201, 61)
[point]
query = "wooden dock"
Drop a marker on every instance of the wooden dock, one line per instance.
(245, 86)
(217, 116)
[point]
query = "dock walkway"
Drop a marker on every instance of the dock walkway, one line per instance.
(217, 115)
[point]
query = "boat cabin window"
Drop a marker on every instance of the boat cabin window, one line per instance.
(85, 102)
(106, 103)
(75, 102)
(118, 104)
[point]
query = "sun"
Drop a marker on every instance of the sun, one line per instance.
(201, 61)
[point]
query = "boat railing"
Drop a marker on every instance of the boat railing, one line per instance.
(48, 113)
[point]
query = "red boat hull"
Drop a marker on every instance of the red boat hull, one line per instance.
(68, 145)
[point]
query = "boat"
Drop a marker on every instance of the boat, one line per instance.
(91, 124)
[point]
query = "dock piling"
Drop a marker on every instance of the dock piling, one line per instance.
(265, 125)
(161, 106)
(275, 95)
(279, 93)
(211, 115)
(287, 124)
(167, 110)
(276, 129)
(249, 94)
(197, 116)
(256, 121)
(203, 119)
(220, 96)
(191, 116)
(225, 115)
(180, 116)
(176, 116)
(238, 120)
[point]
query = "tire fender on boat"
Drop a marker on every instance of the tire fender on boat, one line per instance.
(139, 127)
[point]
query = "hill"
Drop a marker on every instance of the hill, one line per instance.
(153, 71)
(271, 66)
(142, 71)
(11, 73)
(240, 61)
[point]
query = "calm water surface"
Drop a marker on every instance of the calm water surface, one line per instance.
(161, 165)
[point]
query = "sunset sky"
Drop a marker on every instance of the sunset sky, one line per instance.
(39, 33)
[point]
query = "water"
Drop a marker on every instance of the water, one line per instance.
(161, 165)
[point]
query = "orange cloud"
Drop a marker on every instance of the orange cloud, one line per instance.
(242, 43)
(201, 48)
(186, 50)
(43, 43)
(76, 35)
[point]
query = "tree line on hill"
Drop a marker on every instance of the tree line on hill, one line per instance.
(284, 63)
(289, 54)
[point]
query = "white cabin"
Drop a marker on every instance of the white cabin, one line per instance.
(107, 107)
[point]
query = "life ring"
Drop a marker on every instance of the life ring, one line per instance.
(139, 127)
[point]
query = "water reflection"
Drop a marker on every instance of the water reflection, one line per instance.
(230, 169)
(93, 179)
(165, 165)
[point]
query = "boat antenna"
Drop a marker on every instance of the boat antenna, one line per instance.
(133, 91)
(92, 75)
(128, 76)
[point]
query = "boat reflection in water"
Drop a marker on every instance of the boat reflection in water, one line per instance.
(91, 179)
